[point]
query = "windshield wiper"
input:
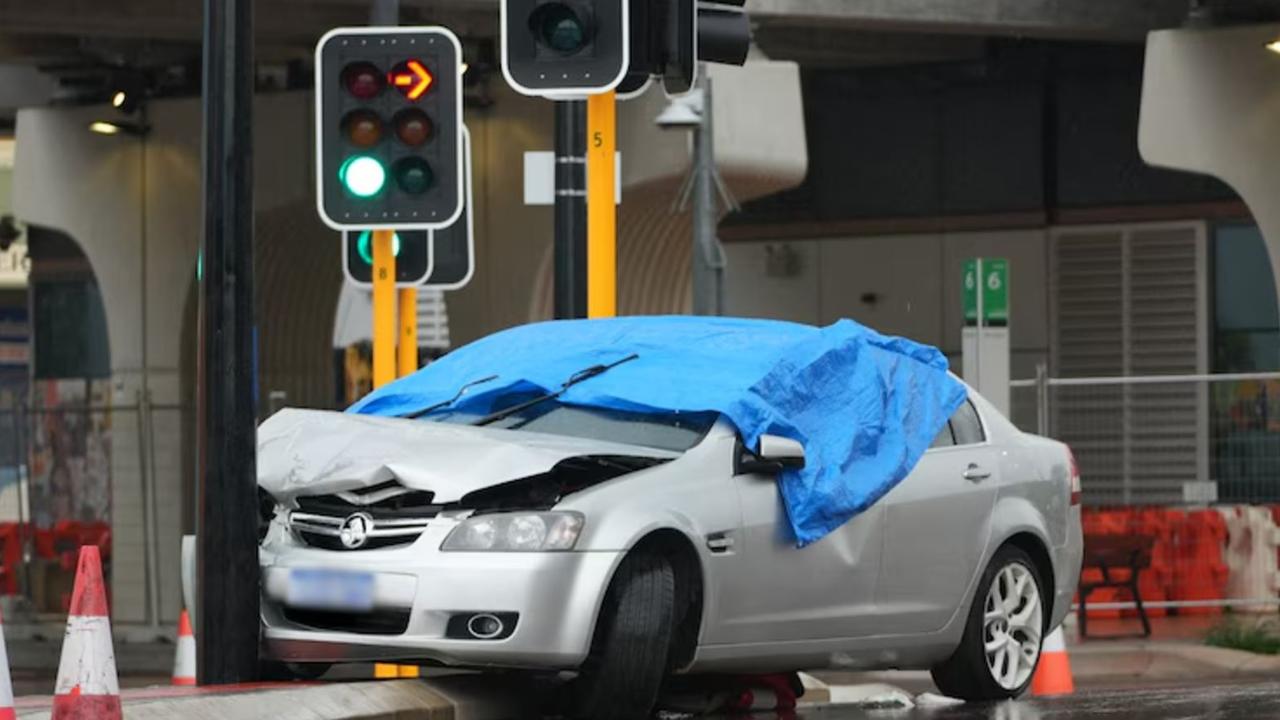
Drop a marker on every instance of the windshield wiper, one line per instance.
(581, 375)
(445, 403)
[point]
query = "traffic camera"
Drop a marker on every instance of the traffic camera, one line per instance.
(388, 128)
(565, 48)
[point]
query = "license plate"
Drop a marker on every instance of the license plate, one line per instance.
(322, 589)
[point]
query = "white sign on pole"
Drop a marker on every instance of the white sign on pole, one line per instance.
(540, 178)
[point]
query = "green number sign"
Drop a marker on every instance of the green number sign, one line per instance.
(994, 285)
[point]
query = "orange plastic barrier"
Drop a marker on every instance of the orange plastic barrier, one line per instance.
(1156, 582)
(1200, 572)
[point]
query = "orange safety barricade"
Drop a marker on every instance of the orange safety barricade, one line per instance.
(1156, 581)
(1201, 573)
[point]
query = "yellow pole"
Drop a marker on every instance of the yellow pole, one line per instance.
(408, 351)
(602, 210)
(384, 308)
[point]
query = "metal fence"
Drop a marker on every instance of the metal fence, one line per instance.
(75, 474)
(1162, 440)
(1180, 477)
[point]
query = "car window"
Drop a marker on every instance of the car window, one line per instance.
(966, 425)
(944, 438)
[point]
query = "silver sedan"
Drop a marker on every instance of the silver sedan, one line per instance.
(628, 547)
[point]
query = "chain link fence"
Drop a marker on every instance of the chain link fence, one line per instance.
(1181, 485)
(73, 475)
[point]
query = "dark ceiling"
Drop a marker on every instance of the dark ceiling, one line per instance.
(88, 46)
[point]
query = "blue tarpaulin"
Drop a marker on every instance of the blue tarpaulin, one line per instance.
(866, 406)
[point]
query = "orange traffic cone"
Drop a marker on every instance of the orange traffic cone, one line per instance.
(184, 659)
(87, 686)
(1053, 674)
(6, 686)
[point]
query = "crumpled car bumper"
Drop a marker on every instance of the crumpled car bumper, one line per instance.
(553, 599)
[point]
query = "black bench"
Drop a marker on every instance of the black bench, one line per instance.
(1109, 553)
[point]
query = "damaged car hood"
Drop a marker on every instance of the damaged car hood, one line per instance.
(316, 452)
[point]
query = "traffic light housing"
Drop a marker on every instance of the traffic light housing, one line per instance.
(453, 249)
(670, 37)
(389, 128)
(565, 48)
(413, 250)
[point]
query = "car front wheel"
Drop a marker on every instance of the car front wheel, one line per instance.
(1001, 645)
(629, 653)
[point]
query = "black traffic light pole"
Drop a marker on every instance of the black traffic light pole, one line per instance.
(571, 210)
(227, 614)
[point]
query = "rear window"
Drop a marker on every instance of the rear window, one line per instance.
(966, 425)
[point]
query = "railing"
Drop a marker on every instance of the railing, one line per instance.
(1190, 463)
(72, 474)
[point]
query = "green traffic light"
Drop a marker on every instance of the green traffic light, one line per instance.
(362, 176)
(364, 246)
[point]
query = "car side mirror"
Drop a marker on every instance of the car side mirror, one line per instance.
(775, 455)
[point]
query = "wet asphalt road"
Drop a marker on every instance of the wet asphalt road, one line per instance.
(1233, 702)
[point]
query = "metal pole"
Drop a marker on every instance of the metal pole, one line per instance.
(20, 460)
(384, 307)
(1042, 399)
(708, 255)
(228, 552)
(571, 210)
(407, 351)
(385, 12)
(602, 210)
(152, 511)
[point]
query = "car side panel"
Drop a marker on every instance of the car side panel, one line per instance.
(621, 512)
(936, 529)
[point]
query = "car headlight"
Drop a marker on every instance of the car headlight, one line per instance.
(516, 532)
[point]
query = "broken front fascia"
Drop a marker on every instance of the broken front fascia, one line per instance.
(315, 452)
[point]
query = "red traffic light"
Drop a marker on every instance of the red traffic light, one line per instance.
(411, 78)
(413, 127)
(362, 80)
(363, 128)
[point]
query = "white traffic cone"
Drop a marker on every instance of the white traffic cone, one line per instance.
(87, 686)
(184, 658)
(6, 685)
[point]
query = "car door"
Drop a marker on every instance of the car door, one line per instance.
(778, 592)
(937, 522)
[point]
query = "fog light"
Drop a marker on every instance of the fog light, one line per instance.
(484, 626)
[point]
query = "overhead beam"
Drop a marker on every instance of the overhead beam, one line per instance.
(1041, 18)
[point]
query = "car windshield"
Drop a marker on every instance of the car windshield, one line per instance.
(666, 431)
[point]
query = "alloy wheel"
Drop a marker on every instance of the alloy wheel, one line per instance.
(1012, 626)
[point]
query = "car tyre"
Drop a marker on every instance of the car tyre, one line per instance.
(630, 649)
(1003, 635)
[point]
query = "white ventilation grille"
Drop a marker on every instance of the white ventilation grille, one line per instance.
(1131, 301)
(433, 320)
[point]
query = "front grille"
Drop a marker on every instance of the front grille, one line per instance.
(390, 515)
(378, 622)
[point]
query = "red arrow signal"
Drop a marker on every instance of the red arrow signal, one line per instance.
(411, 78)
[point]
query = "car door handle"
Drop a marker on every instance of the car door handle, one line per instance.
(721, 542)
(976, 473)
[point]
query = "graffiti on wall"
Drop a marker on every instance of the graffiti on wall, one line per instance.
(70, 464)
